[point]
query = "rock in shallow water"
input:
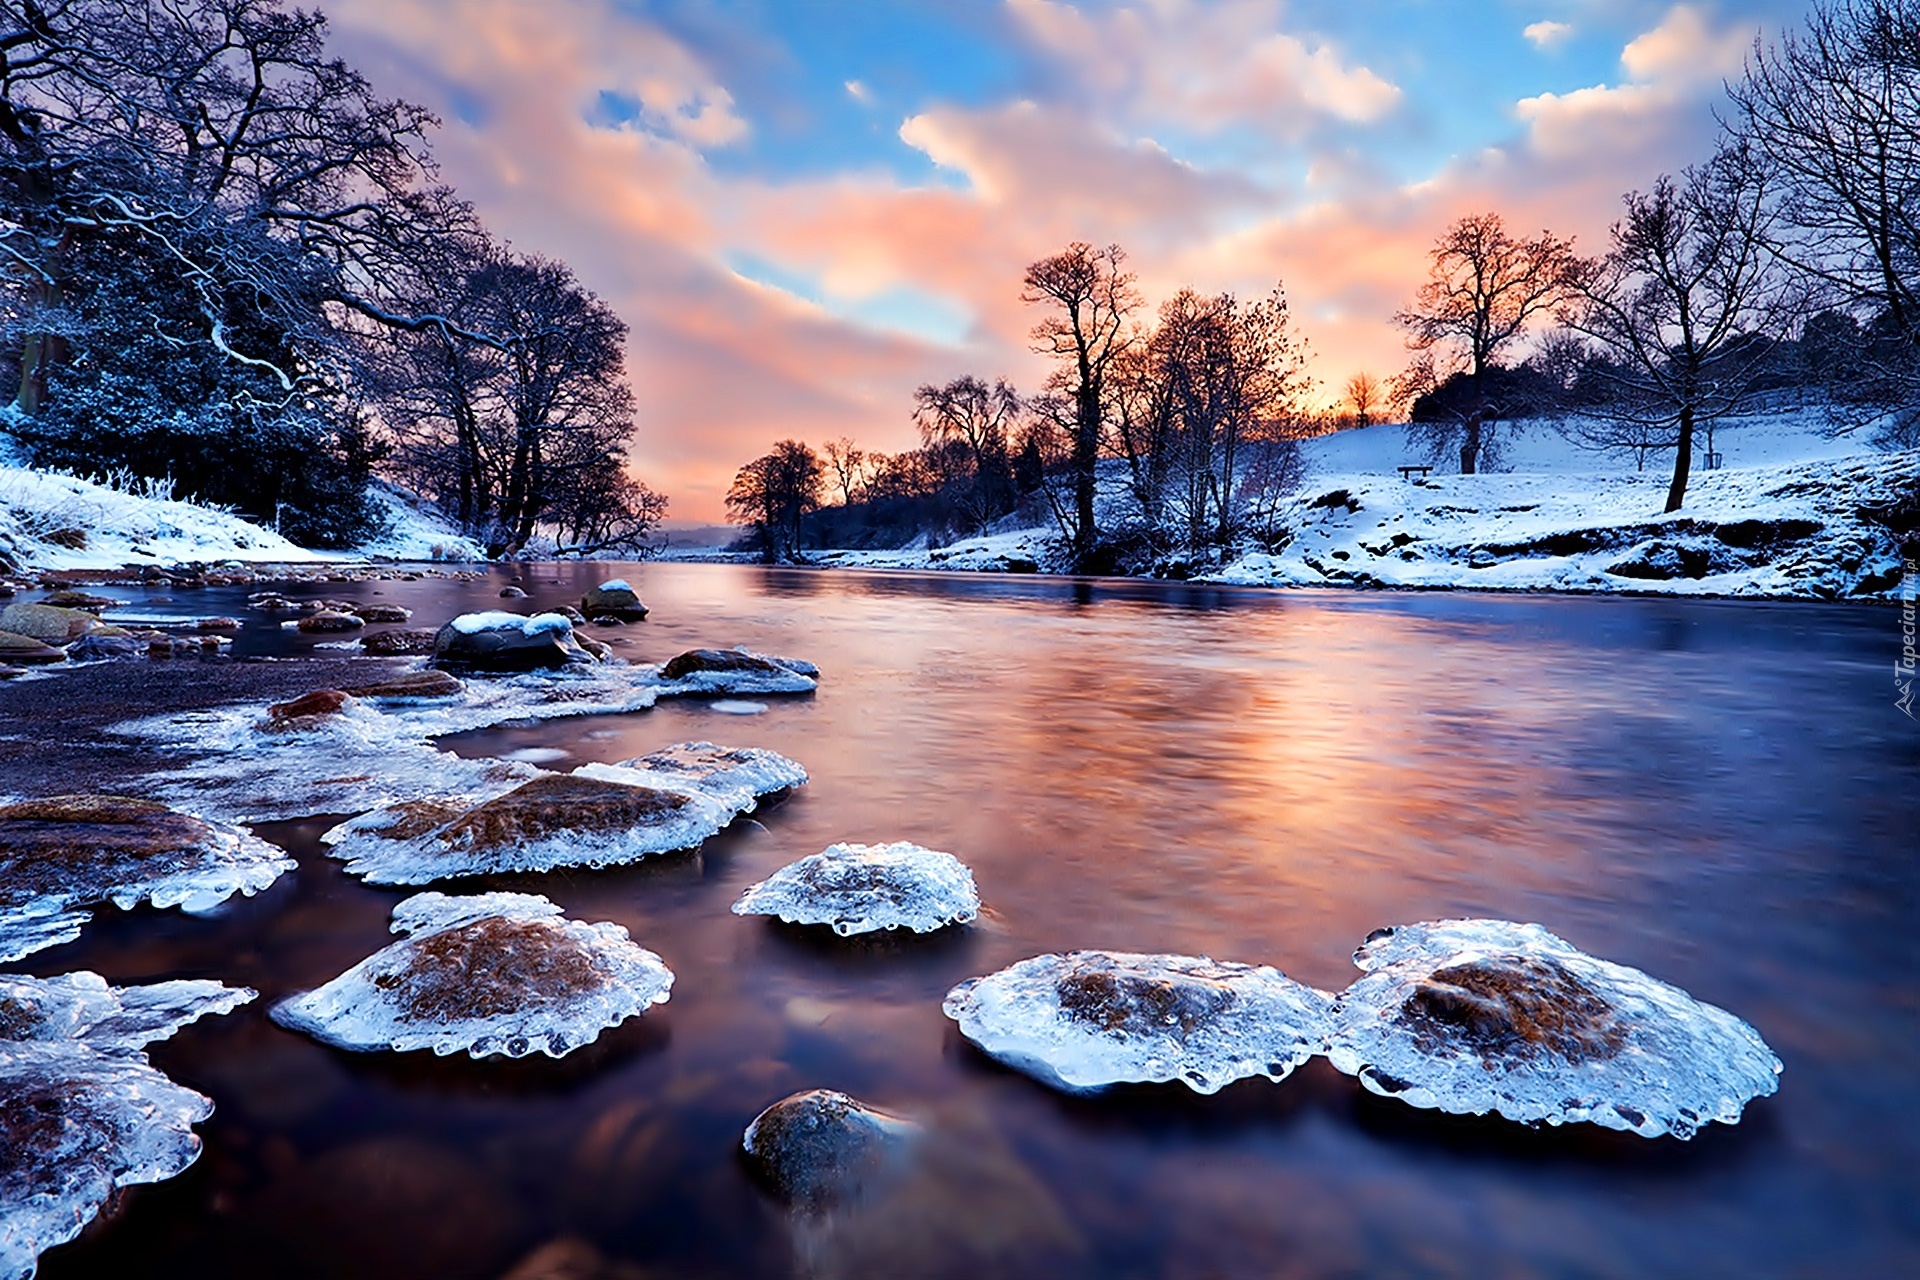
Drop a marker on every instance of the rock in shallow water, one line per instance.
(859, 888)
(498, 641)
(723, 772)
(738, 671)
(81, 1111)
(554, 820)
(1089, 1019)
(64, 853)
(818, 1148)
(1472, 1016)
(614, 599)
(493, 973)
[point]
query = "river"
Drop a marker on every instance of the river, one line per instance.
(1721, 794)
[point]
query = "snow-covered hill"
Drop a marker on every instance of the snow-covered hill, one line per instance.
(50, 521)
(1790, 513)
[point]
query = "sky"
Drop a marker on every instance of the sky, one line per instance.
(805, 209)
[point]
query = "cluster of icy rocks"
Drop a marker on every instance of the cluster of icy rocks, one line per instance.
(1464, 1016)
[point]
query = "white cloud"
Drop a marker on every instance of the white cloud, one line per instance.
(860, 93)
(1206, 66)
(1548, 35)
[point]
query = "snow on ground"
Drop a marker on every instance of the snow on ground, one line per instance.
(51, 521)
(1781, 517)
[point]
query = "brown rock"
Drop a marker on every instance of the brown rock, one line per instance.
(61, 843)
(694, 661)
(217, 624)
(381, 613)
(330, 620)
(820, 1147)
(398, 643)
(80, 600)
(615, 600)
(415, 684)
(559, 803)
(19, 648)
(310, 706)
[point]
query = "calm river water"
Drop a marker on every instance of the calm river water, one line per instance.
(1721, 794)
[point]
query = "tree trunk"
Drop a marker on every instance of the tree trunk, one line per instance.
(1682, 461)
(1086, 457)
(1470, 445)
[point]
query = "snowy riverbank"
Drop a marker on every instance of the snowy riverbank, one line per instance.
(1791, 514)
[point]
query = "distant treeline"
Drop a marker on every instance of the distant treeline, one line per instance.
(1789, 260)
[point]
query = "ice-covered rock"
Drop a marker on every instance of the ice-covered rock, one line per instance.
(614, 598)
(735, 671)
(495, 640)
(1088, 1019)
(817, 1148)
(858, 888)
(375, 749)
(551, 820)
(61, 854)
(723, 772)
(81, 1111)
(1472, 1016)
(493, 973)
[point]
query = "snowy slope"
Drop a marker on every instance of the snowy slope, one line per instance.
(1780, 518)
(50, 521)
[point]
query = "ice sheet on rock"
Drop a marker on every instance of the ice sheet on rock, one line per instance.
(723, 771)
(491, 973)
(372, 752)
(744, 672)
(1088, 1019)
(81, 1110)
(62, 854)
(1472, 1016)
(860, 888)
(551, 820)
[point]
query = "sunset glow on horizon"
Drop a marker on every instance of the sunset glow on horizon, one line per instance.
(805, 210)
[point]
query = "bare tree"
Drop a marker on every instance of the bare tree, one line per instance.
(1833, 109)
(774, 494)
(1094, 296)
(847, 462)
(969, 413)
(1485, 291)
(1366, 397)
(1688, 305)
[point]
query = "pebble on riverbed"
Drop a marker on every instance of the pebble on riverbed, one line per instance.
(553, 820)
(860, 888)
(1089, 1019)
(61, 854)
(82, 1113)
(493, 973)
(1472, 1016)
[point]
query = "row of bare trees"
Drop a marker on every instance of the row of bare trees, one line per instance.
(1792, 254)
(228, 261)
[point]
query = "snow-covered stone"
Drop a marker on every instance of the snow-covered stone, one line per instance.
(1472, 1016)
(736, 671)
(818, 1148)
(61, 854)
(494, 640)
(860, 888)
(551, 820)
(1088, 1019)
(81, 1111)
(493, 973)
(614, 599)
(723, 772)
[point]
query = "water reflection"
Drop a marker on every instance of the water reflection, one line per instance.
(1716, 793)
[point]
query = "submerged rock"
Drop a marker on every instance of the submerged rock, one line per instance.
(330, 620)
(612, 599)
(392, 644)
(308, 709)
(80, 600)
(497, 641)
(723, 772)
(64, 853)
(858, 888)
(739, 671)
(1472, 1016)
(381, 613)
(1089, 1019)
(818, 1148)
(494, 973)
(553, 820)
(414, 685)
(82, 1113)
